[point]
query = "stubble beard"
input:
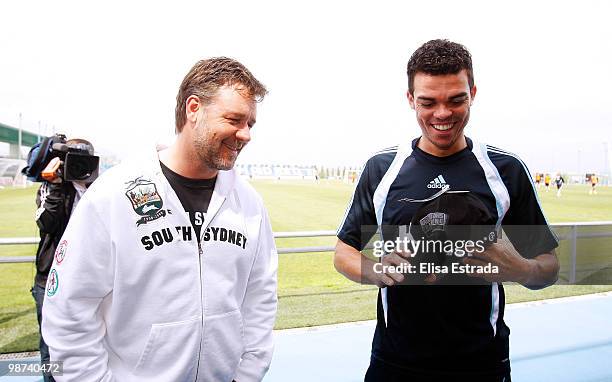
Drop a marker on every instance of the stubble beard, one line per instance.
(208, 151)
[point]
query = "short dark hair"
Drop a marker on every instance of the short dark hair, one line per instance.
(207, 76)
(438, 57)
(87, 145)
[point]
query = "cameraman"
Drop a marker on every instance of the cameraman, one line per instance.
(55, 199)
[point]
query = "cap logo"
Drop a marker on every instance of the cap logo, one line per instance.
(433, 221)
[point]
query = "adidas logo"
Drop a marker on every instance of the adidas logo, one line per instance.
(438, 182)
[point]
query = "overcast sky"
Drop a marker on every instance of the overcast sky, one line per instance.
(109, 72)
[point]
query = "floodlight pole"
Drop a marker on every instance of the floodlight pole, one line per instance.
(580, 165)
(607, 161)
(19, 140)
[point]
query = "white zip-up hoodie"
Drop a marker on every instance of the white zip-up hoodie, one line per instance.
(132, 297)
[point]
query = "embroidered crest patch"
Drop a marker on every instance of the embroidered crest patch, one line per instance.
(145, 200)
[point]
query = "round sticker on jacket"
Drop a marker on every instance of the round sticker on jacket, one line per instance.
(60, 253)
(52, 283)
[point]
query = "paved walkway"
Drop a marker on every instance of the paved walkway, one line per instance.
(561, 340)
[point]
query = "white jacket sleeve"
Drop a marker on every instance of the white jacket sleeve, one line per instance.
(80, 280)
(259, 309)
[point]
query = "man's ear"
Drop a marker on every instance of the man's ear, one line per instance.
(192, 108)
(410, 99)
(472, 94)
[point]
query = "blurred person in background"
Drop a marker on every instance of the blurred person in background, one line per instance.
(559, 181)
(594, 181)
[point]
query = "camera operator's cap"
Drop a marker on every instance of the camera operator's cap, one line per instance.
(455, 215)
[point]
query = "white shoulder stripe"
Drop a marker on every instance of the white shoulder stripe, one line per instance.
(494, 316)
(494, 180)
(380, 195)
(380, 200)
(502, 202)
(528, 174)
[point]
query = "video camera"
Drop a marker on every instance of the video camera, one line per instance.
(55, 158)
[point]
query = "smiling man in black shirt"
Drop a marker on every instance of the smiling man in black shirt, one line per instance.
(444, 332)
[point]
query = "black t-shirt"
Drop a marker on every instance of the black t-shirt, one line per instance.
(194, 195)
(445, 329)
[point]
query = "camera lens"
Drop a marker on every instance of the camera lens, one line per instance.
(79, 171)
(80, 167)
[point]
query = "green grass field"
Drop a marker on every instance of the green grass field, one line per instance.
(311, 292)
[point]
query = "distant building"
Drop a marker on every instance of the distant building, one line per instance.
(278, 172)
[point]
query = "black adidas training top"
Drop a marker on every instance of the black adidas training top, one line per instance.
(445, 330)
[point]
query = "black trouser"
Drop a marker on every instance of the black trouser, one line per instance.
(39, 296)
(382, 372)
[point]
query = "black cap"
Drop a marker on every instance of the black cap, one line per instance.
(455, 216)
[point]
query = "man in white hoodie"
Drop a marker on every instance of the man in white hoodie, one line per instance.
(169, 267)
